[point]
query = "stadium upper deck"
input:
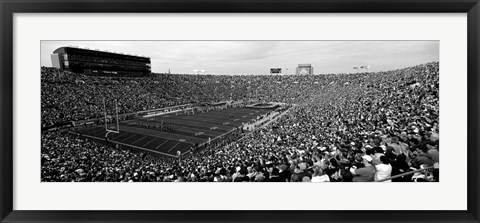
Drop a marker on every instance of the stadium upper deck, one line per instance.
(102, 63)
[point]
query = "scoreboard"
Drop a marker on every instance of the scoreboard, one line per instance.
(275, 70)
(304, 69)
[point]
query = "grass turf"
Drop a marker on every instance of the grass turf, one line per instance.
(186, 130)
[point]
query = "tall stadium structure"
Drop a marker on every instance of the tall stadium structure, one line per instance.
(304, 69)
(100, 63)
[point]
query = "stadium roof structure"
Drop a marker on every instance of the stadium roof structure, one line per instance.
(100, 62)
(102, 50)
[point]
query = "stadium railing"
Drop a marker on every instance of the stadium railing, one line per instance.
(406, 174)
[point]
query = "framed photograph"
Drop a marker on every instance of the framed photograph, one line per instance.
(232, 111)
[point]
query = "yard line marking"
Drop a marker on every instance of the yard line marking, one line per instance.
(157, 147)
(149, 142)
(133, 134)
(165, 135)
(139, 139)
(173, 147)
(136, 147)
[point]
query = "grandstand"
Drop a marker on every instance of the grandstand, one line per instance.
(100, 62)
(384, 123)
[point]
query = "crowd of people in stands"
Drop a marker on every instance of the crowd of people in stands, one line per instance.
(360, 127)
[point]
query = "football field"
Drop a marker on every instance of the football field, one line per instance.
(184, 130)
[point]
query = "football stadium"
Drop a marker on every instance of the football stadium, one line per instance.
(106, 117)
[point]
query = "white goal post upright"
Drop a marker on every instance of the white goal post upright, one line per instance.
(105, 112)
(116, 117)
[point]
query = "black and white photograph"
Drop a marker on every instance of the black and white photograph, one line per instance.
(240, 111)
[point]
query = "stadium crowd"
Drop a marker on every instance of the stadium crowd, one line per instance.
(359, 127)
(67, 96)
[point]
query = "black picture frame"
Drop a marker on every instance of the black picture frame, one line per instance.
(9, 7)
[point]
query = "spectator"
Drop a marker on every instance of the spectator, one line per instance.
(383, 170)
(400, 166)
(421, 157)
(366, 173)
(318, 175)
(332, 128)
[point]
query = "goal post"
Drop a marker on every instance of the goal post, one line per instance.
(114, 126)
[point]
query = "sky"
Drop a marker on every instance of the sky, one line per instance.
(257, 57)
